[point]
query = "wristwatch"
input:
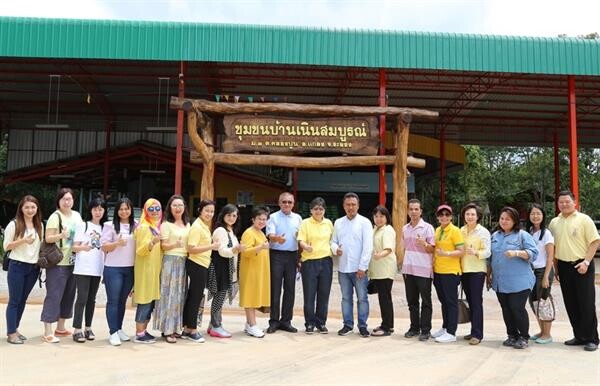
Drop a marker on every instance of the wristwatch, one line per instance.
(586, 262)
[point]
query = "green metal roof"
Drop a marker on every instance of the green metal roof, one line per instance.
(142, 40)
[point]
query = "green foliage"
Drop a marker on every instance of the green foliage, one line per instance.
(517, 176)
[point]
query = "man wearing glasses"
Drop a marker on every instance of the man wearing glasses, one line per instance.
(282, 230)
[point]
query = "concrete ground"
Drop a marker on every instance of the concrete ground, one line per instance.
(288, 359)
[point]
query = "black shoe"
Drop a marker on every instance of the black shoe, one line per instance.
(288, 328)
(467, 337)
(345, 331)
(364, 332)
(520, 343)
(424, 336)
(411, 334)
(310, 329)
(574, 342)
(590, 346)
(272, 329)
(510, 342)
(323, 330)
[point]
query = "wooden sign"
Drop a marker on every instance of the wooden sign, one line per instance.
(272, 134)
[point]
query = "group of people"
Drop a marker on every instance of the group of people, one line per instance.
(168, 262)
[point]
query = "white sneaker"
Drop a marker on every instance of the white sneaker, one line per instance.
(123, 336)
(254, 331)
(446, 338)
(438, 333)
(114, 339)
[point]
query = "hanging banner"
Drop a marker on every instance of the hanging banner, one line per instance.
(273, 134)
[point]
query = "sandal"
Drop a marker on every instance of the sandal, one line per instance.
(50, 339)
(79, 337)
(62, 332)
(171, 338)
(89, 335)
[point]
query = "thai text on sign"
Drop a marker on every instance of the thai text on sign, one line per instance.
(272, 134)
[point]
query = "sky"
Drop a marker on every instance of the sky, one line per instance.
(498, 17)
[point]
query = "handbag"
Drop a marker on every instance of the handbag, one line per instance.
(544, 308)
(464, 314)
(50, 253)
(371, 287)
(5, 260)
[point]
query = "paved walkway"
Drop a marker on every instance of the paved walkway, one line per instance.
(290, 359)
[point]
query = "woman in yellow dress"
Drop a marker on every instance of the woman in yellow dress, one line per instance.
(255, 287)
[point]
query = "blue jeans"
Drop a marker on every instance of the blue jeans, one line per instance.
(348, 281)
(316, 284)
(144, 312)
(118, 282)
(21, 279)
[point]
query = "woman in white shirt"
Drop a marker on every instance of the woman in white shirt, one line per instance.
(22, 238)
(89, 263)
(542, 267)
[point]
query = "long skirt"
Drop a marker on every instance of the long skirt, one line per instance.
(168, 313)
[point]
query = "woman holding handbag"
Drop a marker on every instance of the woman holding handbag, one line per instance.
(542, 268)
(22, 238)
(474, 267)
(510, 275)
(60, 282)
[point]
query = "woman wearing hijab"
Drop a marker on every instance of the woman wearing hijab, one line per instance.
(148, 262)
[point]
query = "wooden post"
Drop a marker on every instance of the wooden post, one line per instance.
(207, 189)
(400, 174)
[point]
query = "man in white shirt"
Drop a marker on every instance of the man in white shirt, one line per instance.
(282, 230)
(352, 242)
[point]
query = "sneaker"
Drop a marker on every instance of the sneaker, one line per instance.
(218, 332)
(322, 330)
(364, 333)
(146, 338)
(509, 342)
(438, 333)
(424, 336)
(193, 336)
(446, 338)
(254, 331)
(89, 335)
(123, 336)
(411, 334)
(114, 339)
(345, 331)
(520, 344)
(310, 330)
(474, 341)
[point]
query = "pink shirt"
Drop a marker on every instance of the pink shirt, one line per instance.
(417, 261)
(121, 256)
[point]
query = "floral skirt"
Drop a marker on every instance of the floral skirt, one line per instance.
(173, 287)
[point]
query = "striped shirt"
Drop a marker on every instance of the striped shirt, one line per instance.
(417, 261)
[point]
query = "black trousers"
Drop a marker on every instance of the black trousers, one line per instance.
(384, 294)
(87, 288)
(283, 274)
(197, 276)
(446, 286)
(580, 300)
(514, 313)
(415, 287)
(472, 283)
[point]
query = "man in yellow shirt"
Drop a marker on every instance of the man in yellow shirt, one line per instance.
(576, 239)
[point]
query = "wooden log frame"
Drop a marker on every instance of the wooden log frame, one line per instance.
(204, 145)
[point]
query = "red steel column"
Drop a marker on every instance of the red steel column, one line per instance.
(573, 165)
(107, 130)
(556, 171)
(442, 166)
(382, 103)
(179, 146)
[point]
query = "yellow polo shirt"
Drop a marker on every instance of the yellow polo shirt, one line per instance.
(200, 235)
(318, 235)
(572, 235)
(448, 239)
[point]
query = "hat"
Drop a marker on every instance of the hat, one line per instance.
(443, 207)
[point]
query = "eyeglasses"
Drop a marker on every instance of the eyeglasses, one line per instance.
(177, 205)
(318, 208)
(154, 209)
(444, 214)
(287, 202)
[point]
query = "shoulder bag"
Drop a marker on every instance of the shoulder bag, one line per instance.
(464, 314)
(50, 253)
